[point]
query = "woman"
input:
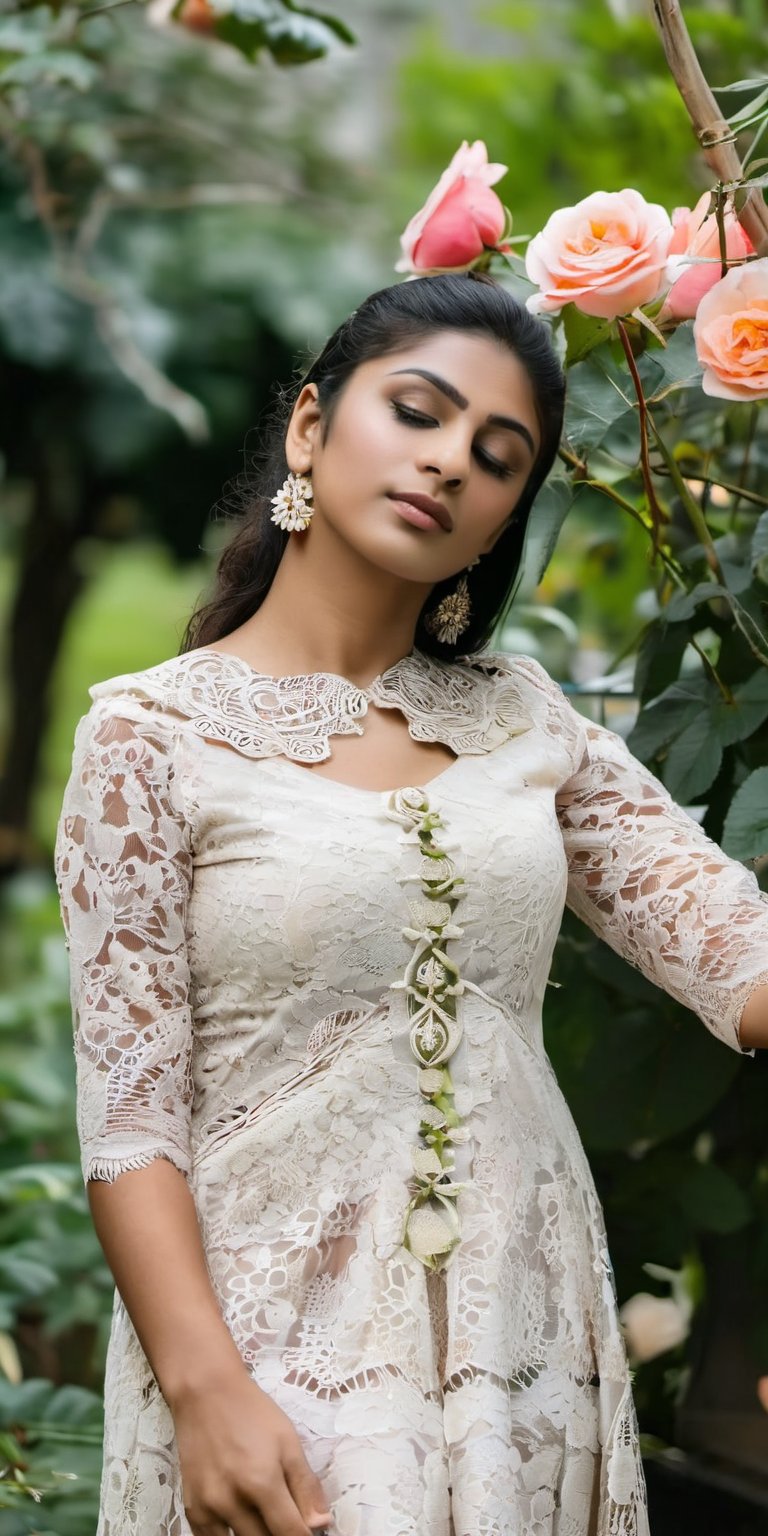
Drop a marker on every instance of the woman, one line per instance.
(312, 871)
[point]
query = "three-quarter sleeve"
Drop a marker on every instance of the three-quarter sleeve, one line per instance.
(123, 867)
(644, 876)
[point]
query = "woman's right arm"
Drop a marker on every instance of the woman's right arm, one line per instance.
(238, 1452)
(123, 865)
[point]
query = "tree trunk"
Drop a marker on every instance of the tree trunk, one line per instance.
(48, 585)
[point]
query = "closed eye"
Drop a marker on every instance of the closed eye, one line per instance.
(418, 419)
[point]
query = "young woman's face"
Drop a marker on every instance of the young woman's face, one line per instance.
(451, 418)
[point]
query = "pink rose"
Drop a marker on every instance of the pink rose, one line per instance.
(696, 235)
(606, 255)
(731, 334)
(460, 217)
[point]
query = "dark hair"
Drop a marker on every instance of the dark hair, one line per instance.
(385, 323)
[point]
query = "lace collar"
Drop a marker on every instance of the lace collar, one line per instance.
(471, 705)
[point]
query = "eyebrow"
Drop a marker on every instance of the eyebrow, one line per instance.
(462, 402)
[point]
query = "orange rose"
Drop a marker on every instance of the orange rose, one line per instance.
(731, 334)
(606, 255)
(696, 236)
(198, 15)
(460, 218)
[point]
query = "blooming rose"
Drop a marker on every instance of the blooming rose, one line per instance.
(197, 15)
(460, 217)
(731, 334)
(696, 234)
(606, 255)
(653, 1324)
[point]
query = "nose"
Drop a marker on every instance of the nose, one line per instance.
(449, 455)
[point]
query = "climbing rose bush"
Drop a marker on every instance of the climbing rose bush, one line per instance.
(662, 354)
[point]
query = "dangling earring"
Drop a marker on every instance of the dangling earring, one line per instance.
(293, 503)
(451, 616)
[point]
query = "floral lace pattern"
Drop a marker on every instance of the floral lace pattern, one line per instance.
(237, 1011)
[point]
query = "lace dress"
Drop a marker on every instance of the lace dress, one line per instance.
(323, 1004)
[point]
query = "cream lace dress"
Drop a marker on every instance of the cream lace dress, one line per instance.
(323, 1004)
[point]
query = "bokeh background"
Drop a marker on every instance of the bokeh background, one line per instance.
(180, 225)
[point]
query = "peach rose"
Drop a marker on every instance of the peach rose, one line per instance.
(731, 334)
(696, 235)
(606, 255)
(460, 217)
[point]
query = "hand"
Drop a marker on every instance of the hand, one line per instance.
(242, 1465)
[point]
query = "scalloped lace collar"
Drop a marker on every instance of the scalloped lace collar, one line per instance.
(471, 705)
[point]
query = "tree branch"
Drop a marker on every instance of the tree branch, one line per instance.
(715, 136)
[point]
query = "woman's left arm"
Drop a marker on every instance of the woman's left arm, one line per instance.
(646, 878)
(753, 1030)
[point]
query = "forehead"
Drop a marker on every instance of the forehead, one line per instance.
(492, 378)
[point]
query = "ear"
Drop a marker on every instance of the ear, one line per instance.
(303, 430)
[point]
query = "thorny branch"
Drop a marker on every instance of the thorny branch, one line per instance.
(714, 134)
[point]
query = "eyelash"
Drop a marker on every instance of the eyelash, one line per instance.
(416, 418)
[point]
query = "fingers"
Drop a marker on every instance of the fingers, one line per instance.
(306, 1490)
(203, 1526)
(248, 1522)
(241, 1522)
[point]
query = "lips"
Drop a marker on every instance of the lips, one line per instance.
(426, 504)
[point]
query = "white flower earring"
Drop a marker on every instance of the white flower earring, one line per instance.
(452, 615)
(293, 503)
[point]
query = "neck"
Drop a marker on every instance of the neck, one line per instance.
(330, 610)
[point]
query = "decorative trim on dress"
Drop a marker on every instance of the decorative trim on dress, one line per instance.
(432, 984)
(471, 705)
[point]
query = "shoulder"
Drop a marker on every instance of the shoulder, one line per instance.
(133, 707)
(505, 672)
(156, 684)
(538, 695)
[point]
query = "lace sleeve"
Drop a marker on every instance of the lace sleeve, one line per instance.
(123, 868)
(646, 878)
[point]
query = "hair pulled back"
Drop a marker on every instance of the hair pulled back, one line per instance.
(387, 322)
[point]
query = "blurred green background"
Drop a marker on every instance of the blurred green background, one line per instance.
(180, 226)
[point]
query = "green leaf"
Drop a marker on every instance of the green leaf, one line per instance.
(582, 333)
(658, 659)
(693, 760)
(711, 1200)
(760, 546)
(675, 366)
(745, 834)
(667, 716)
(684, 604)
(27, 33)
(48, 1181)
(737, 721)
(751, 111)
(625, 1084)
(597, 398)
(294, 34)
(62, 67)
(550, 510)
(26, 1276)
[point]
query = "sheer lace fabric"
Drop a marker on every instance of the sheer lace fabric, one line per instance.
(236, 943)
